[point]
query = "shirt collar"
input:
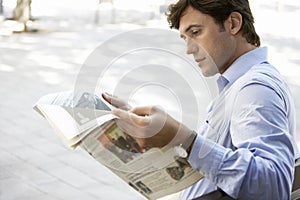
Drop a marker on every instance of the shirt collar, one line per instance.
(240, 66)
(222, 82)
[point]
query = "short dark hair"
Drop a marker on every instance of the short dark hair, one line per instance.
(220, 11)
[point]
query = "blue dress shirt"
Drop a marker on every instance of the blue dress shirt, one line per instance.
(247, 148)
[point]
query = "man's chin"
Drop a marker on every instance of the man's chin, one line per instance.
(209, 69)
(208, 73)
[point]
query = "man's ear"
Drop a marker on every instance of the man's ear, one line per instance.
(235, 20)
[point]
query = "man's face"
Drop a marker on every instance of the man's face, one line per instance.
(211, 45)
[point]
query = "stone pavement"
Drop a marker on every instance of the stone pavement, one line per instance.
(34, 164)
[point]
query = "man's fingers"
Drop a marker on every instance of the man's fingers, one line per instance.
(134, 119)
(115, 101)
(107, 97)
(122, 114)
(143, 110)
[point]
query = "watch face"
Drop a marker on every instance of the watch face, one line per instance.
(181, 152)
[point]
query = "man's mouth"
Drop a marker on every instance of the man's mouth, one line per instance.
(200, 59)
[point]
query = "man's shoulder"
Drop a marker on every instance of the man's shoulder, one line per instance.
(262, 74)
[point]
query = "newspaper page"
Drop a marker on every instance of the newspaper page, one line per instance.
(153, 172)
(73, 116)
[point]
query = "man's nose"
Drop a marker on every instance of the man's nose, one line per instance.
(191, 46)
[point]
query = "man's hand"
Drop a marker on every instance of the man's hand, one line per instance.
(149, 125)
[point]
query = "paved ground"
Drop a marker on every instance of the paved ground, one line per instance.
(34, 164)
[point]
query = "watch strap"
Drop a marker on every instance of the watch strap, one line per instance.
(187, 143)
(183, 150)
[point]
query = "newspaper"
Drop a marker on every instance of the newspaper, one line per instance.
(84, 119)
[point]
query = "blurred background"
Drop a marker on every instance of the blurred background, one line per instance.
(42, 47)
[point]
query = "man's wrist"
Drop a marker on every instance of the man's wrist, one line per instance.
(189, 149)
(183, 149)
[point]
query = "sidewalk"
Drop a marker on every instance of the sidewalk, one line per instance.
(34, 164)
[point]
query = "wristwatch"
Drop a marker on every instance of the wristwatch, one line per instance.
(182, 150)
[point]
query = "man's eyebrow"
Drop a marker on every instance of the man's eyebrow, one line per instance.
(189, 28)
(192, 26)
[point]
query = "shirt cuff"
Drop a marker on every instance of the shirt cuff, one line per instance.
(206, 157)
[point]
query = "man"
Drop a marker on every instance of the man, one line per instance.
(254, 117)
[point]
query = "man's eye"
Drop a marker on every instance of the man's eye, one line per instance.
(195, 32)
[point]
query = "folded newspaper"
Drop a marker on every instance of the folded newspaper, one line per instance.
(84, 119)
